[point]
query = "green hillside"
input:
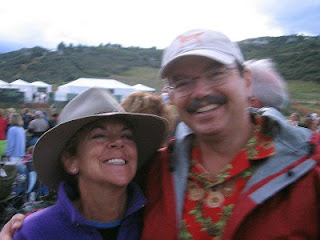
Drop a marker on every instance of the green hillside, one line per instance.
(297, 59)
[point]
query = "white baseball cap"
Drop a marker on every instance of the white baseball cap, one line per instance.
(201, 42)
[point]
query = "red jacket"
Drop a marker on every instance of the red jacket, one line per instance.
(3, 128)
(281, 201)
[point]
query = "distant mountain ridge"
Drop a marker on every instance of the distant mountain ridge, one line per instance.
(297, 58)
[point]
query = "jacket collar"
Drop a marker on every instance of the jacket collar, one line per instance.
(136, 201)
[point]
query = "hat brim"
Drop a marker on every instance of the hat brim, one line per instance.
(218, 56)
(148, 131)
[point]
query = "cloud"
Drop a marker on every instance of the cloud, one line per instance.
(294, 16)
(145, 23)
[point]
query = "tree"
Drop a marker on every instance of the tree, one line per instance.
(61, 46)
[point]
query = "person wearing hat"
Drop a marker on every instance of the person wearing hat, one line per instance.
(36, 128)
(233, 172)
(92, 157)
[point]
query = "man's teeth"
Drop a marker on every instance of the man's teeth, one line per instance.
(116, 161)
(207, 108)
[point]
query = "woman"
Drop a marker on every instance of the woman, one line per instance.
(16, 139)
(15, 150)
(92, 156)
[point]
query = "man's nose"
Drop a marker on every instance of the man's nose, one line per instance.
(200, 88)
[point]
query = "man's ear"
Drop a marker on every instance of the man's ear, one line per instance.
(248, 77)
(255, 102)
(70, 163)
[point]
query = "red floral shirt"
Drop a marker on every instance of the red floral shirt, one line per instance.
(210, 199)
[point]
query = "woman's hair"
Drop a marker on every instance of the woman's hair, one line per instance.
(71, 149)
(150, 103)
(16, 119)
(11, 110)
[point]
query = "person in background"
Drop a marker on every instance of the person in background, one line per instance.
(31, 173)
(3, 133)
(15, 150)
(269, 89)
(26, 117)
(53, 120)
(151, 103)
(309, 122)
(318, 123)
(16, 138)
(37, 127)
(9, 111)
(294, 119)
(165, 94)
(97, 151)
(233, 172)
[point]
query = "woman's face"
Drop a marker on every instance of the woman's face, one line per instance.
(106, 154)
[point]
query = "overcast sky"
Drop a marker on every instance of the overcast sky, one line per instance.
(147, 23)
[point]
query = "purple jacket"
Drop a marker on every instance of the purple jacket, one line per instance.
(64, 221)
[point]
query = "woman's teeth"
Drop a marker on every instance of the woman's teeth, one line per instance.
(116, 161)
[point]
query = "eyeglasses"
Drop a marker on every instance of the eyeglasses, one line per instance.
(184, 85)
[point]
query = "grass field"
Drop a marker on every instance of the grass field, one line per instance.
(305, 96)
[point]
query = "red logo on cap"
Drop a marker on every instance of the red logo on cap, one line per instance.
(195, 37)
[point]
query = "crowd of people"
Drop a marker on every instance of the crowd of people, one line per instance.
(311, 121)
(18, 134)
(235, 167)
(32, 124)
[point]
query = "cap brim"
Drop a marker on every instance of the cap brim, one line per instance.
(148, 130)
(218, 56)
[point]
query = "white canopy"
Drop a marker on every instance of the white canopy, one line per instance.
(118, 89)
(25, 87)
(40, 84)
(20, 82)
(4, 84)
(141, 87)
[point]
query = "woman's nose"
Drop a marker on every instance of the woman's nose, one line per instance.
(116, 143)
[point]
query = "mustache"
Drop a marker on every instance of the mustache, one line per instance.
(196, 103)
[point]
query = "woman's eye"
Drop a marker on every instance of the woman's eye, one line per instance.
(127, 136)
(97, 136)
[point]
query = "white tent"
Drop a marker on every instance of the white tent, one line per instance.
(40, 84)
(118, 89)
(141, 87)
(4, 84)
(25, 87)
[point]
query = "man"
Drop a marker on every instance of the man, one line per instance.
(231, 173)
(269, 89)
(234, 173)
(37, 127)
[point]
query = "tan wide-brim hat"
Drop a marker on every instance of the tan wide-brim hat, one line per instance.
(87, 107)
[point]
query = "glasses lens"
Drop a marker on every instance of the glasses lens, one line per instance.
(211, 78)
(183, 86)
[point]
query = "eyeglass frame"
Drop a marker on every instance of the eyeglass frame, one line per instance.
(192, 80)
